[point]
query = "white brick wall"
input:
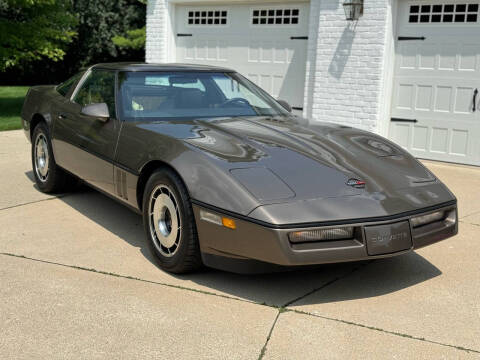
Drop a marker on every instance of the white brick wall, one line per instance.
(345, 65)
(156, 44)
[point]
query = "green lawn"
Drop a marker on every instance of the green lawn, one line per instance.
(11, 101)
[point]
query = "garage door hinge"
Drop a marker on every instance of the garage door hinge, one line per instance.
(406, 38)
(184, 35)
(298, 37)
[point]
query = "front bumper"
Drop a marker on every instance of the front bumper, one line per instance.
(270, 244)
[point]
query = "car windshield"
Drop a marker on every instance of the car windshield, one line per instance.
(164, 95)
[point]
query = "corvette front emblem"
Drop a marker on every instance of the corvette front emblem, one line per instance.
(359, 184)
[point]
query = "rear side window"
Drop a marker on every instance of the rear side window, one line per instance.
(65, 87)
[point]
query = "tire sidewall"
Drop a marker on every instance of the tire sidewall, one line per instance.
(188, 233)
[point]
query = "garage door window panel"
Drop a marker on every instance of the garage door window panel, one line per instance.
(275, 16)
(444, 13)
(214, 17)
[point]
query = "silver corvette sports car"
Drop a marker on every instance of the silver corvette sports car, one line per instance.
(224, 175)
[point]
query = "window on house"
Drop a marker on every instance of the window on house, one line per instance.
(443, 13)
(275, 16)
(207, 17)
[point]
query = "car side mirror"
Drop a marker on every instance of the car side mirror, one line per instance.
(285, 105)
(99, 111)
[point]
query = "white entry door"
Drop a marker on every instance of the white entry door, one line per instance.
(436, 97)
(266, 43)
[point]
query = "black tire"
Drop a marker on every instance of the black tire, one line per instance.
(185, 256)
(56, 179)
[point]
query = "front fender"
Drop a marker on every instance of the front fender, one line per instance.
(212, 184)
(207, 179)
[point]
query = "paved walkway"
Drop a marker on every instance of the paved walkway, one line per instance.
(77, 281)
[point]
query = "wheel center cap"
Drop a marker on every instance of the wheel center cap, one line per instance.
(165, 222)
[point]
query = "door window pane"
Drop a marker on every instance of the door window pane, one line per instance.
(99, 87)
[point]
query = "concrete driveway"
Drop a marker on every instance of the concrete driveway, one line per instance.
(77, 281)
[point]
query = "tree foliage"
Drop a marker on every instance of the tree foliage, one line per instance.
(95, 23)
(135, 39)
(34, 29)
(98, 22)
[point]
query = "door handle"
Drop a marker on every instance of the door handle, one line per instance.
(475, 93)
(62, 116)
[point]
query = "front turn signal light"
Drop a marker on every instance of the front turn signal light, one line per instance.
(217, 219)
(229, 223)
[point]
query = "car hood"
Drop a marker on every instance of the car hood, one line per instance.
(313, 161)
(283, 170)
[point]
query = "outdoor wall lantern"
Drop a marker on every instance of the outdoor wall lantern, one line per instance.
(353, 9)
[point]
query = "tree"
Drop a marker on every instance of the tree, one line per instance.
(98, 22)
(34, 29)
(134, 39)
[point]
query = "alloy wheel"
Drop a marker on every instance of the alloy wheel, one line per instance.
(41, 157)
(164, 220)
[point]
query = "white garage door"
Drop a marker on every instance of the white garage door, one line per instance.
(437, 80)
(264, 42)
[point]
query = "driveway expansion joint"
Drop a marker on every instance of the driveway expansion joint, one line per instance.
(395, 333)
(264, 348)
(328, 283)
(280, 309)
(467, 215)
(127, 277)
(34, 202)
(469, 223)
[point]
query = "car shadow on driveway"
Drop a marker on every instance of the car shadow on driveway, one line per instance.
(361, 279)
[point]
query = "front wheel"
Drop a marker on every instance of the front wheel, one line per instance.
(169, 223)
(48, 176)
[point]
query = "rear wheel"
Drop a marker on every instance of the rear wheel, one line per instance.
(48, 176)
(170, 224)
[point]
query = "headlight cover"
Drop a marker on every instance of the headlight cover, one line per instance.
(427, 219)
(328, 234)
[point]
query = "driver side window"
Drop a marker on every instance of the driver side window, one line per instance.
(98, 87)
